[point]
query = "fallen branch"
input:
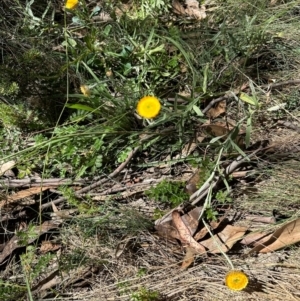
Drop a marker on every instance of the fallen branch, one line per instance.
(98, 183)
(276, 85)
(111, 175)
(38, 182)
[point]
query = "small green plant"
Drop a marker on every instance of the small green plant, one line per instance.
(205, 169)
(142, 272)
(18, 116)
(170, 193)
(33, 266)
(11, 291)
(211, 214)
(144, 294)
(223, 197)
(74, 259)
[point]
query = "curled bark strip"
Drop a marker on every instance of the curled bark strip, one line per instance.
(185, 234)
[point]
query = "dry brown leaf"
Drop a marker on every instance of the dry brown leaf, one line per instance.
(191, 219)
(192, 9)
(224, 239)
(219, 129)
(15, 242)
(262, 219)
(48, 246)
(185, 234)
(216, 130)
(22, 194)
(213, 226)
(168, 229)
(284, 236)
(254, 238)
(188, 258)
(219, 109)
(178, 8)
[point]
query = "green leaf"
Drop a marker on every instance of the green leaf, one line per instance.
(197, 111)
(78, 106)
(69, 42)
(248, 99)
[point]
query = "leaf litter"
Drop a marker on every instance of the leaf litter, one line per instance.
(181, 239)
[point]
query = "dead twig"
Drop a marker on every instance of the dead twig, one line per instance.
(38, 182)
(100, 182)
(113, 174)
(269, 86)
(276, 85)
(289, 125)
(214, 101)
(196, 197)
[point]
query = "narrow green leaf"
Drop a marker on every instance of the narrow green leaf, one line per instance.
(248, 99)
(78, 106)
(197, 111)
(237, 148)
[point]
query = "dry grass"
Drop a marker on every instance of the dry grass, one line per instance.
(153, 264)
(159, 269)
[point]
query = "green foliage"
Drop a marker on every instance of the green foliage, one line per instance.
(144, 294)
(170, 193)
(25, 236)
(223, 197)
(34, 265)
(17, 116)
(205, 168)
(8, 88)
(10, 291)
(74, 259)
(79, 152)
(211, 214)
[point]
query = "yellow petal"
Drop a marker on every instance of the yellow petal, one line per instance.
(71, 4)
(85, 90)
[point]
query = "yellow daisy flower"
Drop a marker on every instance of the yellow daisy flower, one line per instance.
(71, 4)
(148, 107)
(236, 280)
(85, 90)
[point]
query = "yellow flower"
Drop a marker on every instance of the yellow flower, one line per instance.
(148, 107)
(85, 90)
(236, 280)
(71, 4)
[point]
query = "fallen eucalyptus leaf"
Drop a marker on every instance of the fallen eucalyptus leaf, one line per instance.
(224, 239)
(185, 234)
(284, 236)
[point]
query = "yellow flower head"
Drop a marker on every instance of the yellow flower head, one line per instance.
(85, 90)
(71, 4)
(148, 107)
(236, 280)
